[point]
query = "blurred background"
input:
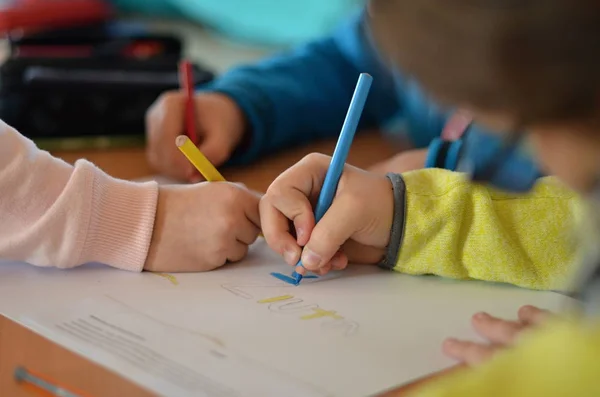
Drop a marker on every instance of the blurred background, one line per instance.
(263, 22)
(101, 63)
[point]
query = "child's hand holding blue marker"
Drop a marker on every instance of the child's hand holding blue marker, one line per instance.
(356, 227)
(353, 216)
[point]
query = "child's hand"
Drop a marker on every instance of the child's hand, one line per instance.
(499, 333)
(201, 227)
(359, 219)
(403, 162)
(220, 125)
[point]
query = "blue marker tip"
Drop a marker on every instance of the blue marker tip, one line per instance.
(297, 276)
(340, 154)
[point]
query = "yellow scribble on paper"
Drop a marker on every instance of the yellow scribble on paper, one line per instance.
(276, 299)
(318, 313)
(169, 277)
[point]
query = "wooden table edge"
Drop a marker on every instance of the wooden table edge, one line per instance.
(21, 346)
(9, 327)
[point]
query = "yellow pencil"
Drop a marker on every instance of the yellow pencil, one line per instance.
(208, 171)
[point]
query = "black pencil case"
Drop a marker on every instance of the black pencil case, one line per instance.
(75, 102)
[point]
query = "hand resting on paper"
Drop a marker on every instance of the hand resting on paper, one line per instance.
(498, 333)
(356, 227)
(220, 123)
(200, 227)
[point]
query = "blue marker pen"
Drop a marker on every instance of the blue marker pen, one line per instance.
(340, 154)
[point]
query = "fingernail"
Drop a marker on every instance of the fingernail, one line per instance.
(527, 309)
(481, 316)
(299, 233)
(290, 257)
(450, 342)
(310, 259)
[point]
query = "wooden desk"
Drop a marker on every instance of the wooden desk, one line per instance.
(368, 149)
(22, 347)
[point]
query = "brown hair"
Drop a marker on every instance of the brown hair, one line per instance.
(537, 61)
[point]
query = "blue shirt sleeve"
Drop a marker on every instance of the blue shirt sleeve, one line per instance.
(303, 95)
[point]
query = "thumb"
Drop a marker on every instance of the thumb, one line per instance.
(215, 148)
(328, 236)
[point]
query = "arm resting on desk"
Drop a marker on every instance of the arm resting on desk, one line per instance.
(454, 228)
(303, 95)
(54, 214)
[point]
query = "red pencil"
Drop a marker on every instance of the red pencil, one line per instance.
(186, 79)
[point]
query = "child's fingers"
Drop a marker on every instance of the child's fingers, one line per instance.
(164, 122)
(276, 230)
(339, 261)
(250, 202)
(288, 199)
(333, 230)
(533, 316)
(165, 116)
(496, 330)
(215, 147)
(323, 270)
(293, 189)
(247, 233)
(237, 251)
(294, 205)
(467, 352)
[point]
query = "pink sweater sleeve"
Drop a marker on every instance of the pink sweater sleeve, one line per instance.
(54, 214)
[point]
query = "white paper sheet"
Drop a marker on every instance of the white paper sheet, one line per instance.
(166, 358)
(239, 331)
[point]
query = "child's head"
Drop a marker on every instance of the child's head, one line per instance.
(531, 65)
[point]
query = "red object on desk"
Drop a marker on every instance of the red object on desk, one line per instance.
(186, 78)
(45, 14)
(137, 50)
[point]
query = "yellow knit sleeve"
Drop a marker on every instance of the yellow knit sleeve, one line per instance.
(562, 360)
(457, 229)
